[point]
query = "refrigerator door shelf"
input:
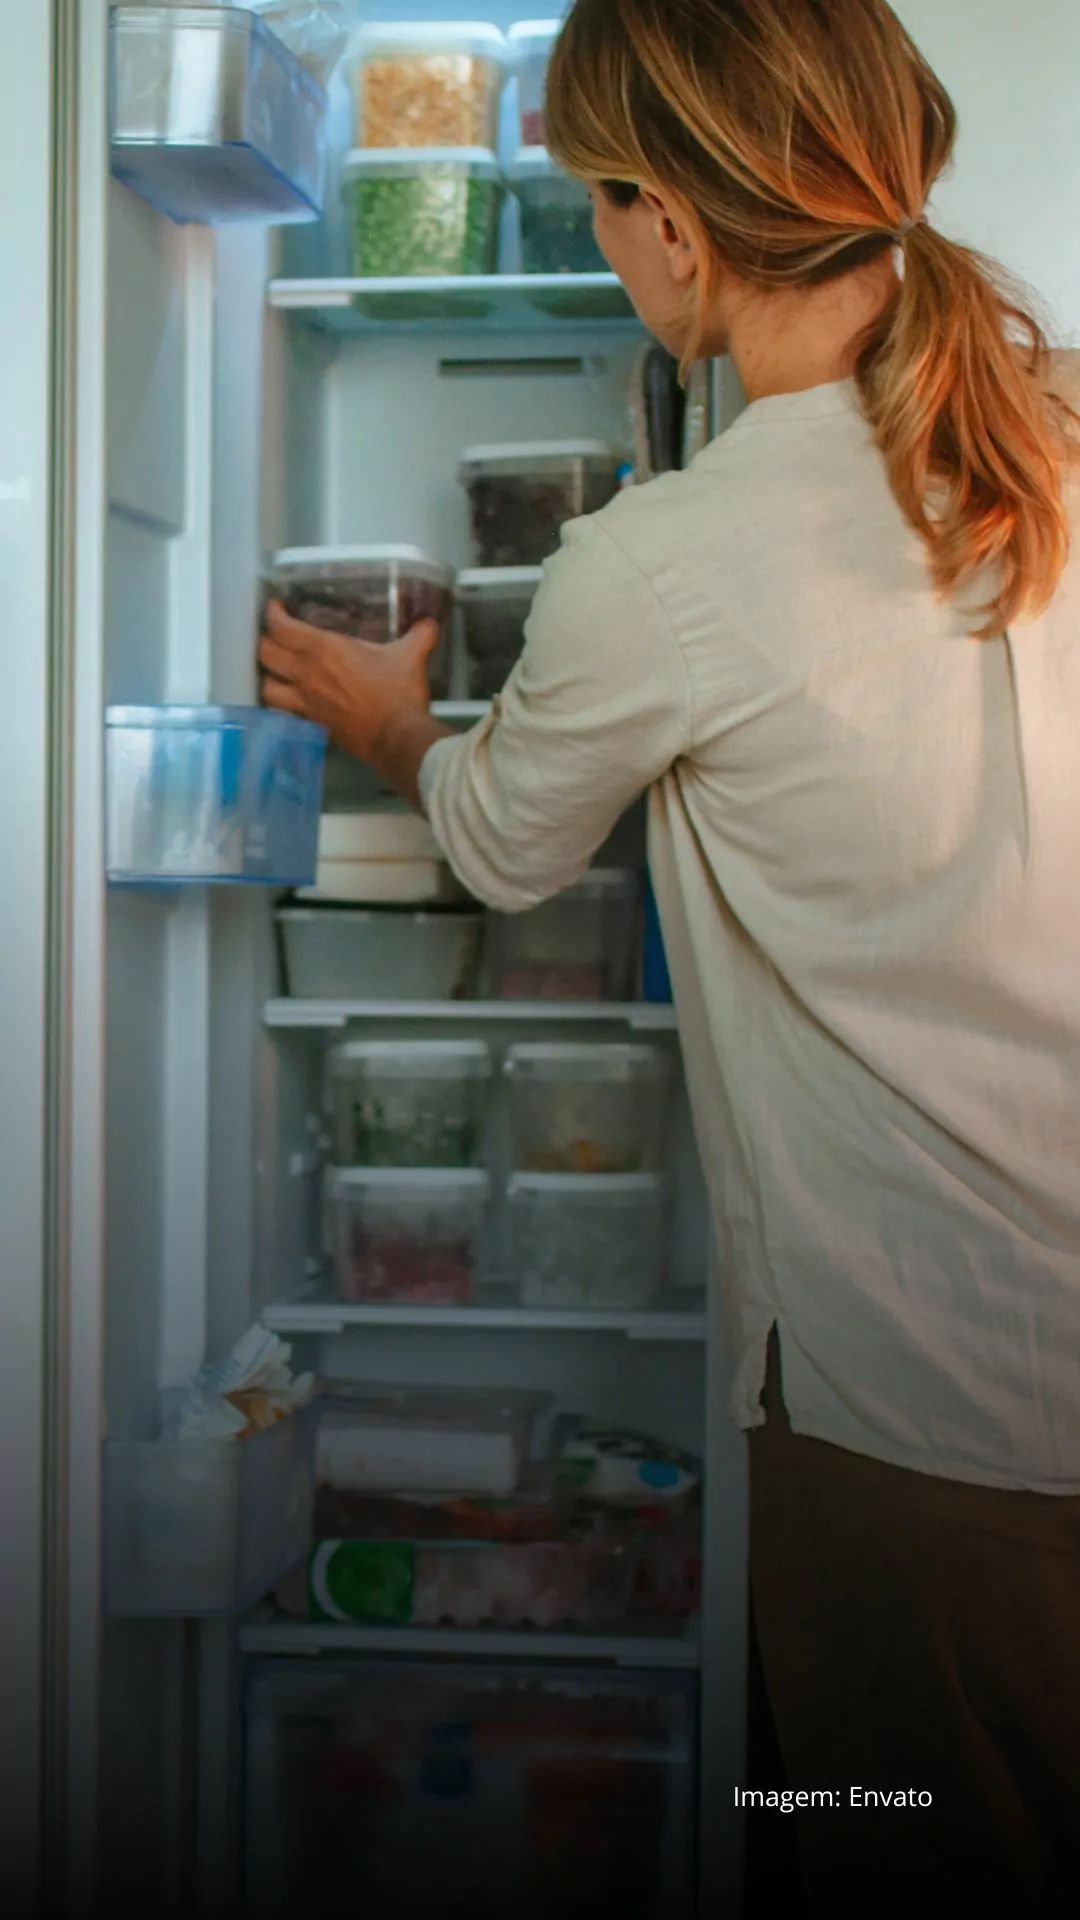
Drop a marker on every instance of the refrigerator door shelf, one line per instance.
(212, 119)
(212, 794)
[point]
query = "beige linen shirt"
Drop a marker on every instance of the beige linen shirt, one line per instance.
(864, 834)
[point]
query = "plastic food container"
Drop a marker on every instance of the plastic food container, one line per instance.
(588, 1243)
(196, 1527)
(582, 945)
(508, 1518)
(556, 217)
(495, 603)
(396, 1583)
(212, 118)
(409, 1103)
(349, 954)
(530, 43)
(403, 1236)
(430, 84)
(420, 213)
(521, 496)
(369, 593)
(425, 1440)
(588, 1108)
(203, 794)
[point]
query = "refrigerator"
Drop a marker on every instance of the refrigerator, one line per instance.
(178, 401)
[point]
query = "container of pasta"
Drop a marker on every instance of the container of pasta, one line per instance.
(422, 212)
(427, 84)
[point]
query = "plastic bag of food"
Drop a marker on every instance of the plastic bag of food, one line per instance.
(315, 31)
(250, 1390)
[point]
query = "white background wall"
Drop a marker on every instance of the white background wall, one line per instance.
(1013, 69)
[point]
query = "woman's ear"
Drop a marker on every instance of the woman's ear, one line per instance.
(673, 231)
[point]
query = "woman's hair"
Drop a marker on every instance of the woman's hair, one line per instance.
(801, 139)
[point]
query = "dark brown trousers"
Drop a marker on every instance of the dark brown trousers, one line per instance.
(920, 1635)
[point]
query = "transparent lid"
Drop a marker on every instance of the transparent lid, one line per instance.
(314, 563)
(525, 32)
(211, 719)
(469, 1182)
(499, 583)
(457, 916)
(601, 882)
(410, 1059)
(382, 39)
(465, 1406)
(536, 163)
(615, 1188)
(381, 163)
(540, 453)
(596, 1060)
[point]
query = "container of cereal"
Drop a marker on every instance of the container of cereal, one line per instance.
(522, 495)
(422, 213)
(495, 603)
(427, 84)
(588, 1243)
(588, 1108)
(582, 945)
(530, 43)
(405, 1237)
(556, 217)
(369, 593)
(409, 1103)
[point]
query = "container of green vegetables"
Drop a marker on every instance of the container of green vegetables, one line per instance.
(422, 213)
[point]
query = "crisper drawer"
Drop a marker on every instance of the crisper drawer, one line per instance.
(413, 1791)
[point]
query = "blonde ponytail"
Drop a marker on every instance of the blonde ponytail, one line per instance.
(803, 138)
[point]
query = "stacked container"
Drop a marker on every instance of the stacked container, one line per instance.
(582, 945)
(556, 217)
(521, 495)
(495, 603)
(530, 44)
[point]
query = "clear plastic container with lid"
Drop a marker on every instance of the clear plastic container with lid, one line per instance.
(530, 43)
(495, 603)
(427, 84)
(407, 1237)
(369, 593)
(588, 1242)
(522, 495)
(422, 213)
(409, 1103)
(388, 954)
(556, 217)
(588, 1108)
(425, 1439)
(582, 945)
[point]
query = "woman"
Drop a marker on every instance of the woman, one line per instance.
(841, 652)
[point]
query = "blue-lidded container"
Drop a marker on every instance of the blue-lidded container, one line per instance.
(655, 978)
(205, 795)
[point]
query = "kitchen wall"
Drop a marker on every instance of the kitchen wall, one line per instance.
(1012, 67)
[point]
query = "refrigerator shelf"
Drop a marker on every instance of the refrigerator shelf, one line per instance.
(317, 1312)
(485, 302)
(286, 1016)
(651, 1644)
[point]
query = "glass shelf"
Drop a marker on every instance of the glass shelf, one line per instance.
(535, 301)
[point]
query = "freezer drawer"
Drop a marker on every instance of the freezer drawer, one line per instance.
(213, 119)
(414, 1791)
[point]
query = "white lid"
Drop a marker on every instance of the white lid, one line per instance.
(429, 36)
(594, 1053)
(498, 580)
(465, 1180)
(607, 1186)
(604, 880)
(343, 556)
(513, 451)
(534, 30)
(406, 1056)
(536, 163)
(478, 162)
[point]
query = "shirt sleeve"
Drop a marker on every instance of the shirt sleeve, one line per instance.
(597, 709)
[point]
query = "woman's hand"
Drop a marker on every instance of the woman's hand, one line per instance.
(372, 700)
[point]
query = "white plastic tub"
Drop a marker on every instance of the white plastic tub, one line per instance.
(406, 1237)
(582, 945)
(370, 593)
(200, 1527)
(427, 84)
(409, 1103)
(588, 1243)
(203, 794)
(495, 603)
(594, 1109)
(530, 43)
(425, 1440)
(348, 953)
(522, 494)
